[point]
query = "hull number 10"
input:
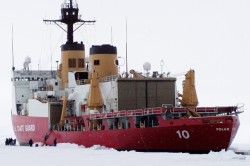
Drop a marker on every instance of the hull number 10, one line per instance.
(183, 134)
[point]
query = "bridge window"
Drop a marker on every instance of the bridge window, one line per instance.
(72, 63)
(81, 63)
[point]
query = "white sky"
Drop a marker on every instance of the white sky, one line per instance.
(210, 36)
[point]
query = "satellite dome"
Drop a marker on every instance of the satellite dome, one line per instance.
(147, 66)
(27, 59)
(26, 62)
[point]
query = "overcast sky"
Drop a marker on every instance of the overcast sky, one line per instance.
(210, 36)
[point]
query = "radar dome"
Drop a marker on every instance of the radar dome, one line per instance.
(147, 66)
(26, 62)
(27, 59)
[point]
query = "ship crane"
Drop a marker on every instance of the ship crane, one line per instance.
(136, 74)
(189, 97)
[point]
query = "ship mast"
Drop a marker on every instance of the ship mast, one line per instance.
(73, 53)
(69, 16)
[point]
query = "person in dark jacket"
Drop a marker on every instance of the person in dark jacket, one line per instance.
(10, 141)
(14, 142)
(45, 139)
(30, 142)
(7, 141)
(55, 142)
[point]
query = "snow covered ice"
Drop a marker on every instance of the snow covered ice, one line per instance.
(65, 154)
(71, 154)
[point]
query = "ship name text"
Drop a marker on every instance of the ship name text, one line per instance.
(222, 129)
(25, 128)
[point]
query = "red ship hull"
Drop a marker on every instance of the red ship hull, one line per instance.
(196, 135)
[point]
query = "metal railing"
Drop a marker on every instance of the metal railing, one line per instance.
(109, 78)
(160, 110)
(67, 5)
(68, 127)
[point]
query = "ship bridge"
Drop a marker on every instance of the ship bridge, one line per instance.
(69, 12)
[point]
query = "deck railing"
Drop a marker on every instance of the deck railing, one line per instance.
(109, 78)
(160, 110)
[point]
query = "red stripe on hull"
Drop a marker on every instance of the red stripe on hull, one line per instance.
(191, 134)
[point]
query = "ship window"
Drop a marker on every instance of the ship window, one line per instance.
(96, 62)
(81, 63)
(116, 62)
(72, 63)
(81, 75)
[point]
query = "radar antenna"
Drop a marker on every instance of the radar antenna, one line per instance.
(69, 16)
(12, 49)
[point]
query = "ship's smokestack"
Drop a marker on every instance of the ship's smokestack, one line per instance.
(103, 60)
